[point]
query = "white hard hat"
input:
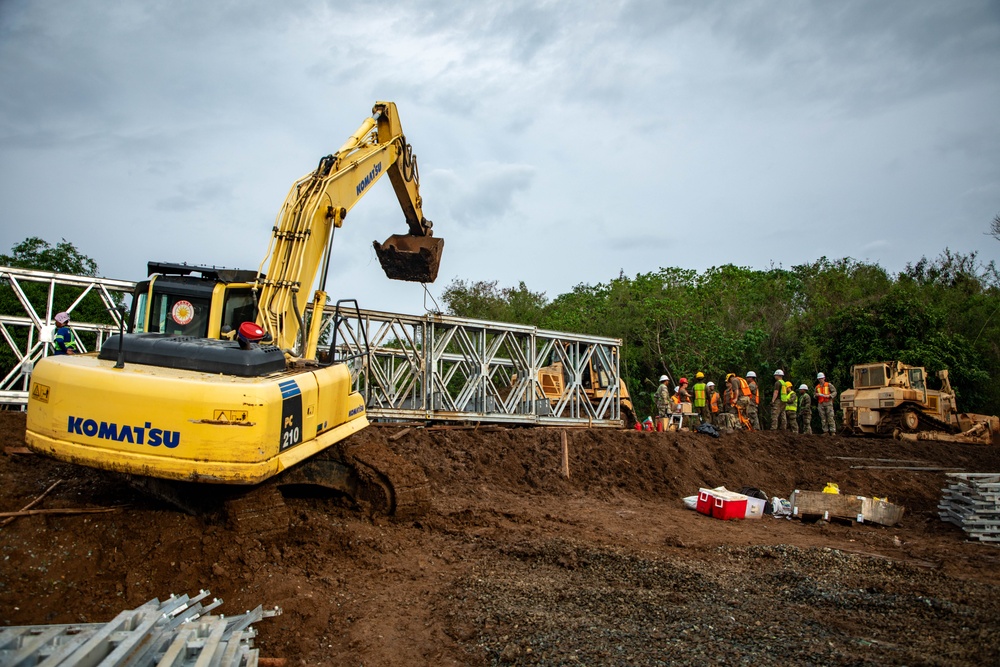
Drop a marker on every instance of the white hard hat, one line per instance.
(676, 389)
(663, 378)
(820, 376)
(710, 384)
(779, 373)
(61, 318)
(751, 374)
(803, 386)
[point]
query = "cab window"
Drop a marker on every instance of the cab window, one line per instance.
(916, 379)
(238, 308)
(139, 313)
(179, 315)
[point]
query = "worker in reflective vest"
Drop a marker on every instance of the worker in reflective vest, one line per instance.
(713, 402)
(739, 393)
(701, 399)
(63, 341)
(791, 406)
(825, 393)
(780, 416)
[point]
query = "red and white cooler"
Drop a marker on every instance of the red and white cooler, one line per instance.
(706, 499)
(728, 505)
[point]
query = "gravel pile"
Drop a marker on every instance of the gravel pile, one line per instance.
(557, 603)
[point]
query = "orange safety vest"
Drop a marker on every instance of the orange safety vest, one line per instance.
(676, 399)
(823, 392)
(744, 387)
(755, 392)
(714, 401)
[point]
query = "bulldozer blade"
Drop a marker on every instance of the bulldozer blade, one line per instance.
(409, 257)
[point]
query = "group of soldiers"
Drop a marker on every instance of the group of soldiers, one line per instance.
(738, 404)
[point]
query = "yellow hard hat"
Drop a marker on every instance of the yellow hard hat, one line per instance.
(699, 375)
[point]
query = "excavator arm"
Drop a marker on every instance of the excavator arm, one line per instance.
(316, 206)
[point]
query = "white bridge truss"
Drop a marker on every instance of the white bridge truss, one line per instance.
(25, 332)
(413, 367)
(443, 368)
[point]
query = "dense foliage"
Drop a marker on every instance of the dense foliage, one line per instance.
(824, 316)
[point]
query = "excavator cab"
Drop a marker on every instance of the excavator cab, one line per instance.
(410, 257)
(191, 300)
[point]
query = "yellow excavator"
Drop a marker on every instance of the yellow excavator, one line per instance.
(194, 395)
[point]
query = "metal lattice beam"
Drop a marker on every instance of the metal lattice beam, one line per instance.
(443, 368)
(23, 333)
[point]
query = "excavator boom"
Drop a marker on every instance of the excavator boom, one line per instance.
(316, 206)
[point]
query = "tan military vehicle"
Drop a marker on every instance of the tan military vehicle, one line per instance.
(890, 398)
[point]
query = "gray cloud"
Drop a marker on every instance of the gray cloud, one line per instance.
(188, 196)
(484, 194)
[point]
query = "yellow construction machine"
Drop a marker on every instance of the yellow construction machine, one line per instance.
(595, 384)
(221, 381)
(891, 398)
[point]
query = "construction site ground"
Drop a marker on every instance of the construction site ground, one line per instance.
(516, 564)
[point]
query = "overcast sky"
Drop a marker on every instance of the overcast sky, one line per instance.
(559, 142)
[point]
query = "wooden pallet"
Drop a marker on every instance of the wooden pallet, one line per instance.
(858, 509)
(972, 502)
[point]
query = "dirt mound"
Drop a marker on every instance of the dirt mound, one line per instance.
(516, 564)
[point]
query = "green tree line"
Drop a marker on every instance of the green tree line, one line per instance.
(823, 316)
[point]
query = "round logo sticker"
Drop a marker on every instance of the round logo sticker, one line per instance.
(183, 312)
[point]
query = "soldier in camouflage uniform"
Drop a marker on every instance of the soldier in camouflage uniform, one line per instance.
(663, 397)
(825, 393)
(805, 412)
(714, 403)
(777, 407)
(791, 407)
(739, 391)
(754, 401)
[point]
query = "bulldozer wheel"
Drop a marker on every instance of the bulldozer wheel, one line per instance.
(910, 421)
(629, 419)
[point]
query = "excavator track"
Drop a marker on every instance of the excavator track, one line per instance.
(257, 511)
(368, 472)
(378, 480)
(388, 483)
(260, 512)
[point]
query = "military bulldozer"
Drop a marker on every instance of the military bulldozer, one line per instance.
(892, 399)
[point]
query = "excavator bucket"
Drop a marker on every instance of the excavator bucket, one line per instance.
(409, 257)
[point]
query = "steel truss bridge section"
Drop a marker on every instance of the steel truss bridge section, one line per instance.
(442, 368)
(26, 333)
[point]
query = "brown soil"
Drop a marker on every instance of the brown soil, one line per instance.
(514, 564)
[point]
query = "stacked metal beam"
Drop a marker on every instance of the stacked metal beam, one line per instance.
(178, 631)
(972, 502)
